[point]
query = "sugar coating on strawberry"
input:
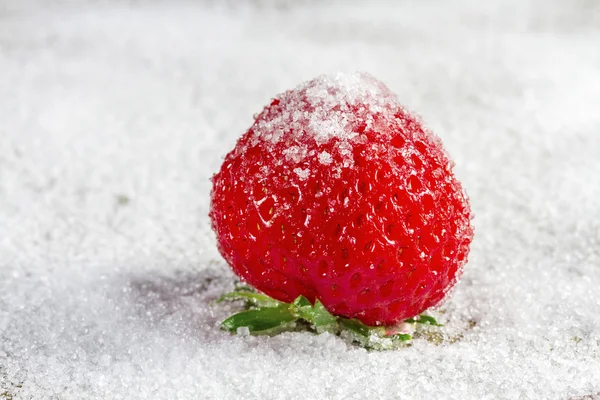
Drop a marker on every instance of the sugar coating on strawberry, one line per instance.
(338, 193)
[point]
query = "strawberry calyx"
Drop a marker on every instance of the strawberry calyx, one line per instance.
(264, 315)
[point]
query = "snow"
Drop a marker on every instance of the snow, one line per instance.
(114, 115)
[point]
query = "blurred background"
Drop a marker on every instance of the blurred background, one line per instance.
(115, 114)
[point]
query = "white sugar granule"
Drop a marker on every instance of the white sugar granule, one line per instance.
(302, 173)
(113, 119)
(296, 153)
(322, 109)
(325, 158)
(325, 127)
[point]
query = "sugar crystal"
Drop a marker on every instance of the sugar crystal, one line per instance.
(114, 116)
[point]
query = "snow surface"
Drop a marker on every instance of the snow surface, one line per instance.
(113, 116)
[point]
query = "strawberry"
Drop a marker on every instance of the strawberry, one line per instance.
(339, 195)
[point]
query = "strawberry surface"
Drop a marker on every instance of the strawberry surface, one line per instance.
(338, 193)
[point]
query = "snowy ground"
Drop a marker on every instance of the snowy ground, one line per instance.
(114, 115)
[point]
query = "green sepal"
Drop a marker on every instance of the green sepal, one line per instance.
(260, 319)
(265, 315)
(301, 308)
(322, 317)
(253, 298)
(356, 327)
(402, 337)
(424, 319)
(373, 337)
(316, 315)
(242, 287)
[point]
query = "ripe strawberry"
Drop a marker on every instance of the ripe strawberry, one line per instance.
(337, 193)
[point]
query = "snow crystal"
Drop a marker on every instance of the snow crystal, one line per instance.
(113, 119)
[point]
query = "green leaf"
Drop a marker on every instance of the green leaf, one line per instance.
(259, 319)
(255, 299)
(424, 319)
(301, 302)
(242, 287)
(373, 338)
(302, 308)
(269, 316)
(356, 327)
(402, 337)
(316, 315)
(322, 317)
(359, 332)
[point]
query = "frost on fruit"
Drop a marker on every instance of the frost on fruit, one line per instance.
(338, 194)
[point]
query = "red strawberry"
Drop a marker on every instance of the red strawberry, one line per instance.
(337, 193)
